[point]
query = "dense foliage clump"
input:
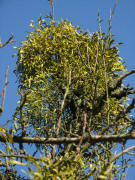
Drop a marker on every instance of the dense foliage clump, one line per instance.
(68, 71)
(74, 116)
(73, 106)
(70, 86)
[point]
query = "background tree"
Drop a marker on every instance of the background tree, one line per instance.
(73, 105)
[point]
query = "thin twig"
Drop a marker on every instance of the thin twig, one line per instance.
(84, 117)
(4, 91)
(8, 41)
(111, 17)
(52, 4)
(63, 102)
(22, 103)
(19, 156)
(121, 153)
(109, 166)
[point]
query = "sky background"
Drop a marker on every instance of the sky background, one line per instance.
(16, 15)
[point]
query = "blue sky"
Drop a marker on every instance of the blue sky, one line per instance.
(16, 15)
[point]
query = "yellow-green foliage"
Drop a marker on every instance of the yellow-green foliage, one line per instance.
(59, 60)
(66, 168)
(63, 72)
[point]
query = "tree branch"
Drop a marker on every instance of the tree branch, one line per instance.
(8, 41)
(19, 156)
(63, 101)
(108, 167)
(84, 116)
(123, 93)
(131, 106)
(114, 85)
(93, 139)
(121, 153)
(4, 91)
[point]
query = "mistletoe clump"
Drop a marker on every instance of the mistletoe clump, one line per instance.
(70, 84)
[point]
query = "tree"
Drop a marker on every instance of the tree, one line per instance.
(73, 106)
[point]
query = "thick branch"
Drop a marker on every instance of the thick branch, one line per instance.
(118, 82)
(123, 93)
(111, 89)
(131, 106)
(67, 140)
(123, 76)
